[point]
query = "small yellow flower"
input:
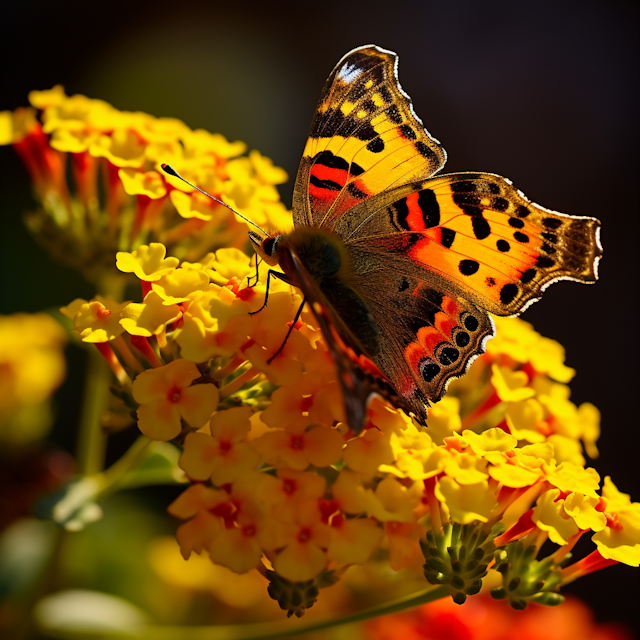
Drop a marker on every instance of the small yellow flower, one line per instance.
(143, 183)
(147, 262)
(224, 455)
(150, 317)
(99, 321)
(550, 516)
(167, 397)
(303, 556)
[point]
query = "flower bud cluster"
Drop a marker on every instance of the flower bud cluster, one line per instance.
(118, 197)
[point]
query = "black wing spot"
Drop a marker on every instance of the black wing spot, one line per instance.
(471, 323)
(429, 370)
(490, 282)
(550, 237)
(547, 248)
(466, 199)
(430, 208)
(493, 188)
(500, 204)
(448, 355)
(516, 223)
(544, 262)
(328, 159)
(324, 184)
(481, 228)
(468, 267)
(386, 94)
(521, 237)
(407, 132)
(365, 132)
(355, 169)
(462, 338)
(394, 115)
(376, 145)
(551, 223)
(425, 151)
(522, 211)
(404, 284)
(503, 245)
(464, 186)
(369, 106)
(447, 236)
(528, 276)
(508, 293)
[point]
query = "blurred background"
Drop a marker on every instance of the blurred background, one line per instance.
(544, 93)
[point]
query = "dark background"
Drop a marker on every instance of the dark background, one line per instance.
(544, 93)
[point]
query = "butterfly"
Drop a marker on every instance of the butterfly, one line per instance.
(400, 264)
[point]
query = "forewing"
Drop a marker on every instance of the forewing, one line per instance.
(365, 139)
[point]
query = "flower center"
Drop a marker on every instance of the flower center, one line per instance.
(304, 535)
(290, 486)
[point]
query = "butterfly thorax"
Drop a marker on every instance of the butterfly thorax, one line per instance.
(328, 269)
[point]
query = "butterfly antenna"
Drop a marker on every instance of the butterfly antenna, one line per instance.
(167, 168)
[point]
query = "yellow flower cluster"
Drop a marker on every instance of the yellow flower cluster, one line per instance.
(32, 367)
(137, 203)
(280, 483)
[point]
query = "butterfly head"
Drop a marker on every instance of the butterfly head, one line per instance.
(266, 247)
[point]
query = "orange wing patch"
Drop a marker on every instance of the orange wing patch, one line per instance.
(486, 239)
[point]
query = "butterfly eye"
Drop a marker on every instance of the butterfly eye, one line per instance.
(269, 245)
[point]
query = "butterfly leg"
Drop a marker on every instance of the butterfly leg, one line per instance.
(275, 274)
(293, 324)
(257, 276)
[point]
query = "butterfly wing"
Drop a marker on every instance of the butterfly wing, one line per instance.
(445, 250)
(365, 138)
(477, 235)
(429, 256)
(359, 378)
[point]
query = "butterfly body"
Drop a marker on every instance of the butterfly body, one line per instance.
(400, 266)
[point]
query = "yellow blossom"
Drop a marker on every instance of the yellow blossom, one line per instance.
(99, 321)
(466, 503)
(147, 262)
(224, 455)
(550, 516)
(141, 183)
(150, 317)
(166, 397)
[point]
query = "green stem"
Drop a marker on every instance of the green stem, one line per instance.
(92, 441)
(111, 479)
(273, 631)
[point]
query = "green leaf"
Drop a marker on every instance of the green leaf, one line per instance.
(159, 466)
(72, 506)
